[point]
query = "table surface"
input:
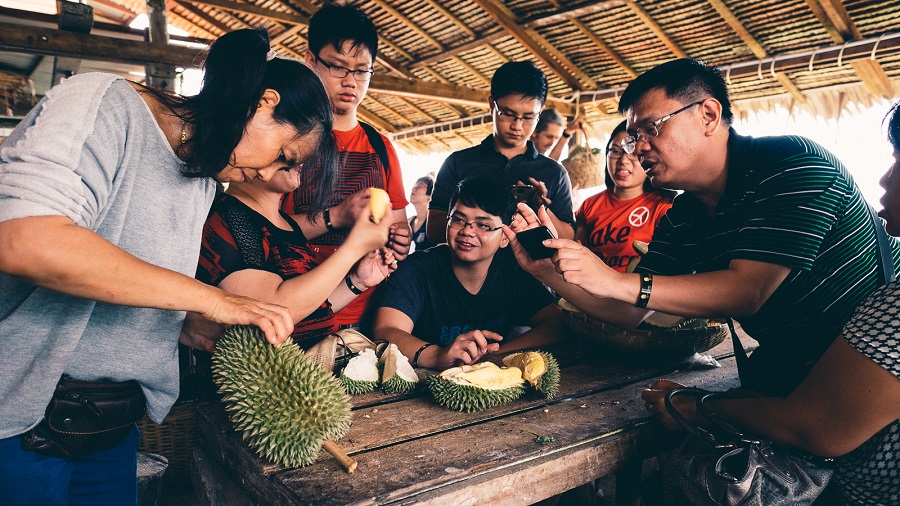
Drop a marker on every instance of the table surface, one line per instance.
(410, 449)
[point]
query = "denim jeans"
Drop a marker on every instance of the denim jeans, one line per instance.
(106, 477)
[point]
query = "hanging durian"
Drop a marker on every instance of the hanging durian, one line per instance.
(539, 368)
(284, 404)
(360, 375)
(476, 387)
(397, 375)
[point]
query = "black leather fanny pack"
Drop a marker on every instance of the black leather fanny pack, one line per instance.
(85, 417)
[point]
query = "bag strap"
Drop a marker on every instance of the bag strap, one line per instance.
(884, 247)
(692, 428)
(380, 149)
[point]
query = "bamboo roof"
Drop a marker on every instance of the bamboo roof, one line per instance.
(436, 57)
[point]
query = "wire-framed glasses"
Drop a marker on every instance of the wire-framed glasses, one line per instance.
(509, 117)
(341, 72)
(457, 223)
(629, 143)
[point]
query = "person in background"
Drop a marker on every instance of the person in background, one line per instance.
(252, 248)
(770, 231)
(343, 44)
(552, 133)
(419, 197)
(104, 188)
(628, 209)
(848, 406)
(457, 302)
(518, 93)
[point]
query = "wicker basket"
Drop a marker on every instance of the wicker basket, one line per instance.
(175, 439)
(662, 344)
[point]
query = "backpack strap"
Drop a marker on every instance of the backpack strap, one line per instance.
(380, 149)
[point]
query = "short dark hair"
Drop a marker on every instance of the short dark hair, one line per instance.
(549, 116)
(685, 80)
(335, 24)
(893, 121)
(647, 186)
(519, 77)
(487, 193)
(237, 73)
(429, 183)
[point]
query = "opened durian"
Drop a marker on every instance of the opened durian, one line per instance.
(398, 375)
(360, 375)
(379, 203)
(476, 387)
(539, 368)
(284, 404)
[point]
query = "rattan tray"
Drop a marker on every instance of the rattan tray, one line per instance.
(664, 344)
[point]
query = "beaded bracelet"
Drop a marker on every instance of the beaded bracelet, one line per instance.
(419, 353)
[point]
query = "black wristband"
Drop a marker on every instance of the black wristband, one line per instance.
(646, 288)
(566, 134)
(353, 288)
(326, 215)
(419, 354)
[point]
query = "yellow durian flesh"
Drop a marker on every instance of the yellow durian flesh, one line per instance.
(379, 203)
(485, 375)
(533, 365)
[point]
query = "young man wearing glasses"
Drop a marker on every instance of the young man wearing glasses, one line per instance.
(518, 93)
(343, 44)
(454, 303)
(771, 231)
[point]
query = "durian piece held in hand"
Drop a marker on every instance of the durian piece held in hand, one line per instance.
(398, 375)
(286, 407)
(379, 203)
(539, 369)
(476, 387)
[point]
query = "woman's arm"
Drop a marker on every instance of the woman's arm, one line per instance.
(546, 328)
(54, 253)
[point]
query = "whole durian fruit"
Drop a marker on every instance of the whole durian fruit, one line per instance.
(360, 375)
(539, 368)
(476, 387)
(284, 404)
(397, 376)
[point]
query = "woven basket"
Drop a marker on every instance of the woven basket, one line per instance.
(175, 439)
(662, 344)
(585, 167)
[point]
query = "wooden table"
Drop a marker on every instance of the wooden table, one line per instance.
(411, 450)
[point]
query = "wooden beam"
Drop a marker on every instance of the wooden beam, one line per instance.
(389, 109)
(507, 20)
(472, 70)
(205, 16)
(248, 8)
(373, 119)
(840, 26)
(451, 17)
(656, 29)
(429, 90)
(462, 48)
(755, 47)
(415, 108)
(399, 16)
(52, 42)
(605, 47)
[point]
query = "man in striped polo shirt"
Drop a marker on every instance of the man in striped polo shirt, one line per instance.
(770, 231)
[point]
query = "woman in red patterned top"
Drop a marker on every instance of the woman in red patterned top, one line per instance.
(252, 248)
(628, 209)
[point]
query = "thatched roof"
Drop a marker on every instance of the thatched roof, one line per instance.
(436, 57)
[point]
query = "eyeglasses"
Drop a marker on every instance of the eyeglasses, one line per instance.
(457, 223)
(615, 153)
(341, 72)
(509, 117)
(629, 143)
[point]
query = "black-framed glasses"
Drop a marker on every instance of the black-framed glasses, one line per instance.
(509, 117)
(615, 152)
(457, 223)
(629, 143)
(341, 72)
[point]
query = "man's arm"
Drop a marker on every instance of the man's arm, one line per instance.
(546, 328)
(571, 128)
(342, 215)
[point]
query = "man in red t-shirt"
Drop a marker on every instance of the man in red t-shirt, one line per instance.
(343, 44)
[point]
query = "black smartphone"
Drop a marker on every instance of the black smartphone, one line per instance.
(522, 192)
(531, 240)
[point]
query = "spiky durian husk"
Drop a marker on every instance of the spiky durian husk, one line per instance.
(361, 373)
(283, 403)
(469, 398)
(398, 375)
(356, 387)
(548, 384)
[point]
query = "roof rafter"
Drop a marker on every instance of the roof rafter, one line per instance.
(539, 47)
(755, 47)
(373, 119)
(597, 41)
(390, 109)
(840, 26)
(656, 29)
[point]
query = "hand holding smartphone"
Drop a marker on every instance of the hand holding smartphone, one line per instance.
(523, 192)
(531, 240)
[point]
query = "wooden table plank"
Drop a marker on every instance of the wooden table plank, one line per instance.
(441, 453)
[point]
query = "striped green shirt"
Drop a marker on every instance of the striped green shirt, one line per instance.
(789, 202)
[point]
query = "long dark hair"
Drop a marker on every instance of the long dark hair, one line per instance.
(237, 73)
(647, 186)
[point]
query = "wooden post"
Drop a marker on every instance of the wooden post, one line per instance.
(157, 34)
